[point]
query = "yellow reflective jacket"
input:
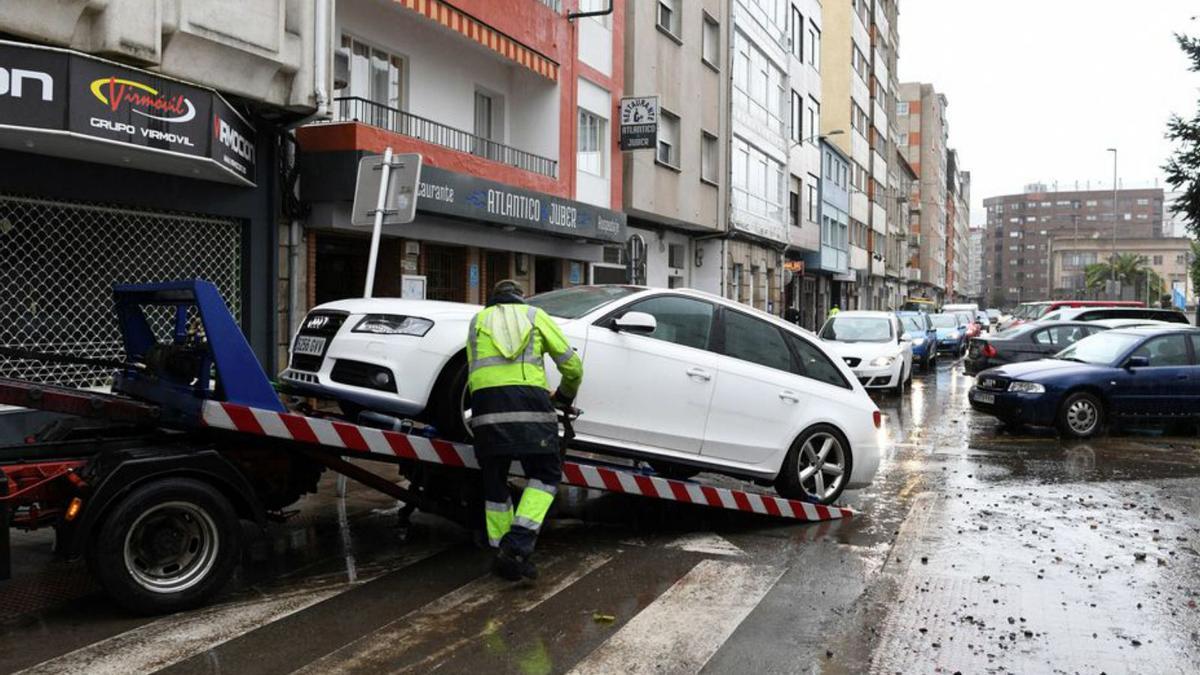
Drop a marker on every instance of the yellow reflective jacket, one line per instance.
(507, 344)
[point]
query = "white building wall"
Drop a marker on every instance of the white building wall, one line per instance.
(443, 89)
(596, 40)
(805, 159)
(590, 187)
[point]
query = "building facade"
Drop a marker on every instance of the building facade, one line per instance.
(676, 192)
(973, 288)
(832, 261)
(921, 114)
(522, 177)
(1022, 229)
(147, 142)
(806, 289)
(1167, 256)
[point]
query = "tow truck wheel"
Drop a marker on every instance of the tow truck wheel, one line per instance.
(817, 466)
(168, 546)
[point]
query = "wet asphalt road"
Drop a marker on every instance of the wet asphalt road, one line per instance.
(976, 550)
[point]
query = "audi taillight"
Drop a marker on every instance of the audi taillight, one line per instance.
(989, 351)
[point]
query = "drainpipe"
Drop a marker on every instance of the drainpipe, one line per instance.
(571, 16)
(321, 53)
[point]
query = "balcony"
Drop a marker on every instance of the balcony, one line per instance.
(357, 109)
(912, 274)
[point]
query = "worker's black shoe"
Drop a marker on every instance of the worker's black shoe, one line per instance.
(513, 567)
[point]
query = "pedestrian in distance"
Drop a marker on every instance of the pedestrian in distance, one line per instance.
(833, 311)
(513, 418)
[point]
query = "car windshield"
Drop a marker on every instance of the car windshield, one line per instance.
(944, 321)
(914, 324)
(857, 329)
(572, 303)
(1101, 349)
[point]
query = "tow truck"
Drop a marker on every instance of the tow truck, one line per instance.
(150, 483)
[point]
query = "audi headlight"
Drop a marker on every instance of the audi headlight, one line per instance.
(391, 324)
(880, 361)
(917, 342)
(1027, 387)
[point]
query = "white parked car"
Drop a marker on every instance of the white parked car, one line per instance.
(874, 345)
(686, 380)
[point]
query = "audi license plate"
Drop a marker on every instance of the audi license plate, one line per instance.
(982, 397)
(309, 345)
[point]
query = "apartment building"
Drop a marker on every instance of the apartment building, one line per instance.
(894, 195)
(676, 193)
(806, 289)
(973, 288)
(958, 216)
(902, 210)
(847, 109)
(512, 104)
(1021, 229)
(832, 260)
(1070, 257)
(921, 118)
(146, 141)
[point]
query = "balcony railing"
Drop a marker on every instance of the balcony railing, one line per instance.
(357, 109)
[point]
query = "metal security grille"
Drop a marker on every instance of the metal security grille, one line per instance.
(59, 261)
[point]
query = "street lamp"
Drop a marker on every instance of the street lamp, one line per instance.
(815, 137)
(1112, 262)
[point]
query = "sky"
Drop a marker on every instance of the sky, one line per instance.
(1038, 89)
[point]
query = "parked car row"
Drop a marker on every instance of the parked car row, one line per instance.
(1080, 365)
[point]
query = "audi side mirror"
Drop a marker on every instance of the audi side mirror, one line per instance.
(639, 323)
(1137, 362)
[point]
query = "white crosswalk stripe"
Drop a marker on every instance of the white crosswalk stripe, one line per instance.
(429, 623)
(681, 630)
(172, 639)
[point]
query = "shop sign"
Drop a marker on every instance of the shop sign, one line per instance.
(461, 195)
(794, 266)
(639, 122)
(92, 99)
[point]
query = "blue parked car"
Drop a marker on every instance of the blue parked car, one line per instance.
(1131, 374)
(951, 333)
(923, 335)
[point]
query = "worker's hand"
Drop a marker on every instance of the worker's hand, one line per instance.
(561, 400)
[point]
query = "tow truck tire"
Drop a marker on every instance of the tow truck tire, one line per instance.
(169, 545)
(795, 480)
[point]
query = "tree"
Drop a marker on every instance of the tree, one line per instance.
(1131, 270)
(1183, 166)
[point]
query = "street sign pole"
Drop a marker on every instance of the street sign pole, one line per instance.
(384, 169)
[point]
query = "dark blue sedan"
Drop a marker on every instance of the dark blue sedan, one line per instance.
(919, 328)
(1134, 374)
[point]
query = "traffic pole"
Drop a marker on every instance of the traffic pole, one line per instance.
(385, 170)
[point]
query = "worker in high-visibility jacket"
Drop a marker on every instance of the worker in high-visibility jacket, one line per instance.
(513, 417)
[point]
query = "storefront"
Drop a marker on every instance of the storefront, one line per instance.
(109, 175)
(469, 233)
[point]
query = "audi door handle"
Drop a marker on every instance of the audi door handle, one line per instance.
(789, 396)
(699, 374)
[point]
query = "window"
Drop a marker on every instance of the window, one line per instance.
(1089, 218)
(797, 34)
(794, 208)
(1060, 336)
(758, 182)
(668, 17)
(710, 48)
(668, 138)
(708, 157)
(1091, 202)
(375, 75)
(859, 63)
(812, 363)
(1143, 202)
(484, 115)
(797, 117)
(681, 321)
(1181, 259)
(814, 48)
(814, 115)
(755, 341)
(1142, 216)
(1167, 350)
(591, 143)
(759, 86)
(675, 255)
(812, 198)
(1157, 260)
(736, 282)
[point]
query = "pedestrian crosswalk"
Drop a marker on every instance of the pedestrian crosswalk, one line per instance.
(601, 608)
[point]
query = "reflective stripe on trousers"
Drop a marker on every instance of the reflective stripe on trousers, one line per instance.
(518, 417)
(499, 517)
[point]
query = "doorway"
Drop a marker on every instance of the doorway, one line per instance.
(547, 274)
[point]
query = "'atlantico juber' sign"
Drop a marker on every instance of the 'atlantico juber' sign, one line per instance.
(59, 91)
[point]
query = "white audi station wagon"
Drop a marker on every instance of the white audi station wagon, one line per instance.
(685, 380)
